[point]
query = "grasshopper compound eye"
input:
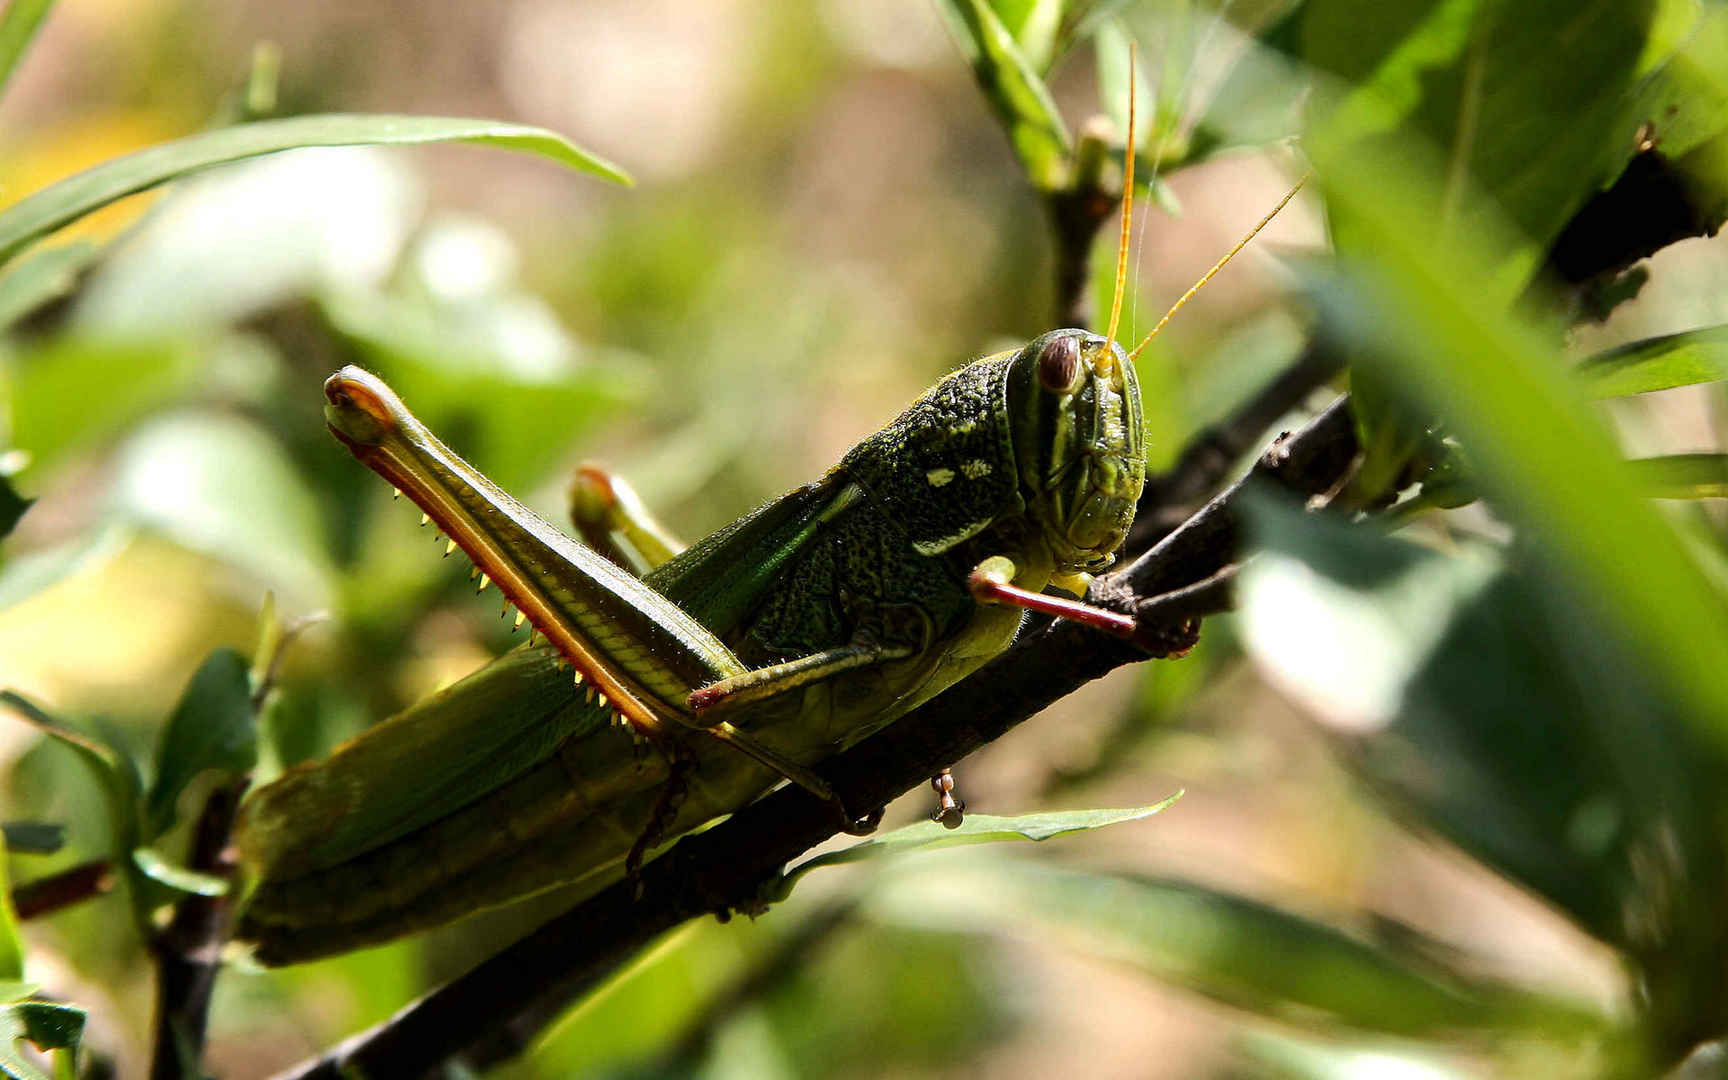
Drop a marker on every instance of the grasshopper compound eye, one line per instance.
(1059, 369)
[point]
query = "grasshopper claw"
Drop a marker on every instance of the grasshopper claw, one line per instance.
(951, 812)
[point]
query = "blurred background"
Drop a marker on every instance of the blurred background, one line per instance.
(826, 219)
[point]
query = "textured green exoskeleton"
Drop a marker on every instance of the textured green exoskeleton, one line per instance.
(779, 640)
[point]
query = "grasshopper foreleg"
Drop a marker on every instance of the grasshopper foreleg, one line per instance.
(613, 520)
(992, 582)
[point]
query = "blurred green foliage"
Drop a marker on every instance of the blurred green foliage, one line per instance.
(1525, 679)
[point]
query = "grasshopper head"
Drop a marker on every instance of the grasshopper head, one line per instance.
(1075, 408)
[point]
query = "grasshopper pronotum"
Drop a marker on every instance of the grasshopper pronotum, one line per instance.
(658, 704)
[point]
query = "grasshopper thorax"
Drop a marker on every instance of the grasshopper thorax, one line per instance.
(1074, 409)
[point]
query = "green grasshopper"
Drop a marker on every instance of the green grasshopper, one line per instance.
(658, 704)
(770, 645)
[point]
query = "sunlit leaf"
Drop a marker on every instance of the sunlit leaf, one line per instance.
(11, 942)
(1683, 476)
(1482, 84)
(1014, 90)
(1308, 1059)
(17, 29)
(1658, 363)
(1431, 322)
(43, 276)
(213, 727)
(222, 486)
(1457, 684)
(1034, 25)
(976, 829)
(70, 199)
(23, 576)
(72, 392)
(205, 258)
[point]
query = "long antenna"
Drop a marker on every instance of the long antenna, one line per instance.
(1217, 266)
(1127, 218)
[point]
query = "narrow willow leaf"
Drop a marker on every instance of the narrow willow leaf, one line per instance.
(1015, 91)
(976, 829)
(1658, 363)
(46, 275)
(1683, 476)
(92, 189)
(17, 29)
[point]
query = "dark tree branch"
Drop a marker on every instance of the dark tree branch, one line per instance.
(188, 951)
(1075, 218)
(1206, 461)
(726, 867)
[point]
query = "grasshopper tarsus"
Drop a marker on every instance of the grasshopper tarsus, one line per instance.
(950, 811)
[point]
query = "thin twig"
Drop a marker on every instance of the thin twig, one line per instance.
(1209, 456)
(46, 895)
(725, 867)
(188, 951)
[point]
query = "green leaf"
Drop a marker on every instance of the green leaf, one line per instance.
(153, 865)
(11, 942)
(70, 199)
(23, 576)
(72, 393)
(1683, 476)
(221, 485)
(115, 773)
(1309, 1059)
(33, 837)
(17, 29)
(1247, 954)
(976, 829)
(12, 506)
(1687, 100)
(213, 727)
(1458, 684)
(449, 367)
(1434, 323)
(1480, 84)
(1035, 26)
(43, 276)
(43, 1024)
(1658, 363)
(1014, 90)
